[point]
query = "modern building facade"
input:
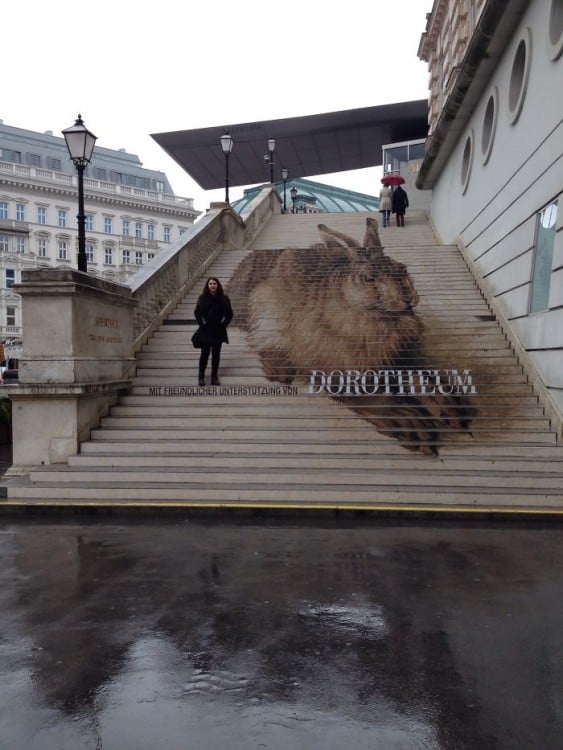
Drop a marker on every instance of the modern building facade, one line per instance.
(494, 160)
(131, 212)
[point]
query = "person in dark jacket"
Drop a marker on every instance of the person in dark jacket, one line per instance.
(213, 313)
(400, 205)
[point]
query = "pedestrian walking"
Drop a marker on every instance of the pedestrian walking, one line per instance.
(385, 204)
(400, 205)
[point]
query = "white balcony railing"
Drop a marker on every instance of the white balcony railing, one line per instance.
(95, 186)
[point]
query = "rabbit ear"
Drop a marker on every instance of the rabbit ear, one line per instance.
(336, 239)
(371, 238)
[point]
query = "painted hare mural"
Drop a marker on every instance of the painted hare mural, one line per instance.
(348, 309)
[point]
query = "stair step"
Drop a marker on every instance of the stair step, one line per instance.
(382, 447)
(267, 423)
(419, 463)
(289, 411)
(286, 497)
(305, 478)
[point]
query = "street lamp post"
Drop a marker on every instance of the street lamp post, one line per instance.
(271, 149)
(293, 193)
(285, 173)
(80, 143)
(227, 146)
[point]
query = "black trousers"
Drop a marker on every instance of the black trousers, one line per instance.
(215, 350)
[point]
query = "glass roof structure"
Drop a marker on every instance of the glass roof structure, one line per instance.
(323, 198)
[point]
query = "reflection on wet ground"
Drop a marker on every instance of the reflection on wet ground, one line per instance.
(186, 634)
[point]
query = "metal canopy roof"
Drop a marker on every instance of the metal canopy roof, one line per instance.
(311, 145)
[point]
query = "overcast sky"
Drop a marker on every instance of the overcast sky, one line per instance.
(133, 67)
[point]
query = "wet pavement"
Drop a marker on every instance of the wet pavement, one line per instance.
(211, 634)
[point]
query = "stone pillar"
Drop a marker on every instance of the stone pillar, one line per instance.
(77, 356)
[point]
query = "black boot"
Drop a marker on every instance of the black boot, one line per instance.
(215, 379)
(201, 379)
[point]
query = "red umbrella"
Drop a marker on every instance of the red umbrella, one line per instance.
(392, 179)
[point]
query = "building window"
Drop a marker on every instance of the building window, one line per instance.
(489, 126)
(34, 160)
(63, 250)
(166, 234)
(3, 210)
(395, 158)
(41, 248)
(3, 243)
(20, 244)
(139, 258)
(150, 231)
(150, 256)
(107, 225)
(41, 215)
(543, 258)
(54, 163)
(126, 256)
(138, 229)
(20, 211)
(108, 256)
(122, 178)
(466, 162)
(89, 223)
(125, 228)
(10, 316)
(100, 174)
(519, 76)
(10, 278)
(556, 30)
(89, 252)
(7, 154)
(62, 217)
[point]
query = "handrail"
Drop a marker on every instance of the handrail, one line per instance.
(160, 285)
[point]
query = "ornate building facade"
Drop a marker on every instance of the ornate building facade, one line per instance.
(450, 26)
(131, 212)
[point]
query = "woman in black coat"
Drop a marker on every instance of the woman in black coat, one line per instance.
(213, 313)
(400, 205)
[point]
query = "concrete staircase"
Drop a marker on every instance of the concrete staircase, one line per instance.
(261, 443)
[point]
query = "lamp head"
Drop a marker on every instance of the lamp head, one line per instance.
(80, 142)
(226, 143)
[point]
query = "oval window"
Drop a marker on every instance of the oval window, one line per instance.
(466, 161)
(555, 38)
(519, 76)
(489, 126)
